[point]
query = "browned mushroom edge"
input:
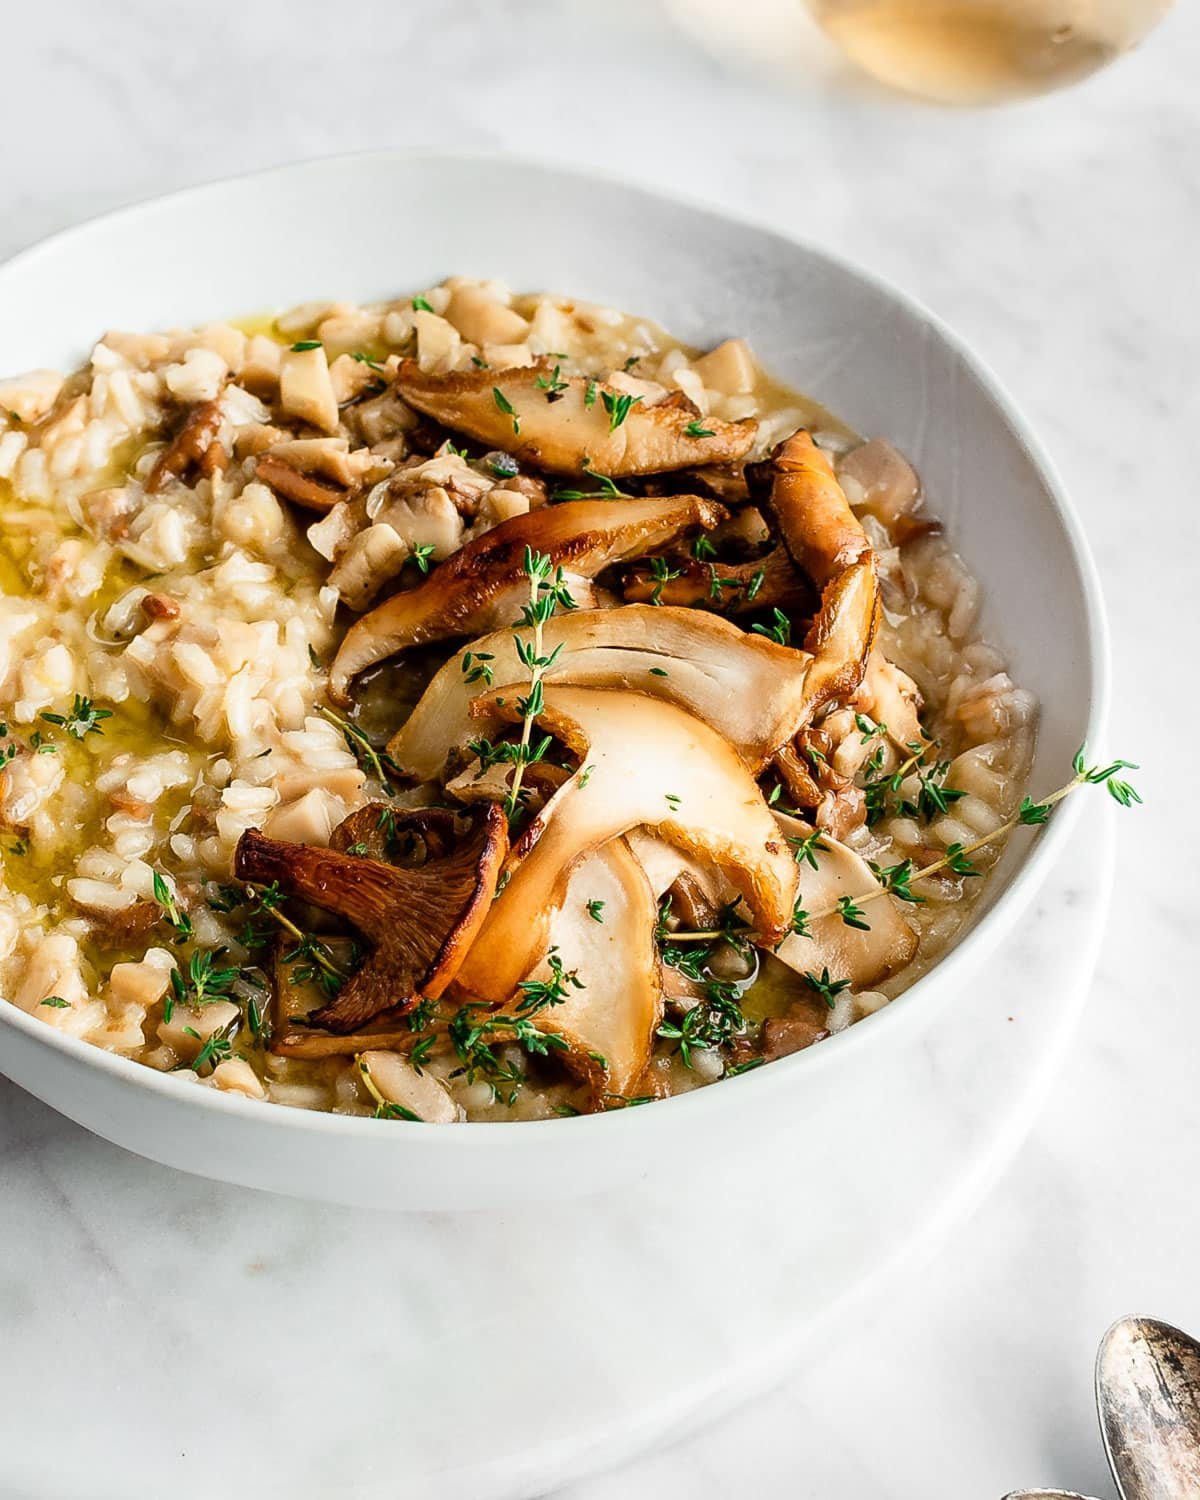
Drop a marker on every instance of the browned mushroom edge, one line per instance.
(420, 919)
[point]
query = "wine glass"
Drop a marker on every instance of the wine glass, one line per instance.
(984, 51)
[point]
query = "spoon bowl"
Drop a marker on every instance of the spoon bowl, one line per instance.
(1148, 1398)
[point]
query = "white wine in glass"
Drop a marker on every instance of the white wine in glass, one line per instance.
(984, 51)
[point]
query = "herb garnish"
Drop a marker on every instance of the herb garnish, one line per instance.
(507, 408)
(618, 405)
(83, 719)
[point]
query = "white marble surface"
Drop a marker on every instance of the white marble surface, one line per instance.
(1059, 237)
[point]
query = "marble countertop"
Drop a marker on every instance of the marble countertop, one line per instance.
(1059, 238)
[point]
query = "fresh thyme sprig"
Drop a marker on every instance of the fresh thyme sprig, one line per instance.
(267, 899)
(896, 880)
(82, 719)
(377, 763)
(172, 914)
(547, 592)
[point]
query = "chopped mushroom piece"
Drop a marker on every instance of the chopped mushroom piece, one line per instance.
(420, 918)
(189, 446)
(864, 958)
(305, 389)
(750, 690)
(612, 1008)
(891, 697)
(588, 424)
(881, 481)
(648, 763)
(301, 489)
(484, 584)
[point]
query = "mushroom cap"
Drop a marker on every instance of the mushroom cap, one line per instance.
(421, 919)
(647, 763)
(614, 1011)
(847, 952)
(575, 430)
(751, 690)
(484, 584)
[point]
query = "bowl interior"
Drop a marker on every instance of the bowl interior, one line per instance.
(374, 226)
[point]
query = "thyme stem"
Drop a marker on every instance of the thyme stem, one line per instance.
(318, 954)
(1030, 814)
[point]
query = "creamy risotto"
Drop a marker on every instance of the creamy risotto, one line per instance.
(475, 707)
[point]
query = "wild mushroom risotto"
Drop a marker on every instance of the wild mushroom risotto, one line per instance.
(476, 707)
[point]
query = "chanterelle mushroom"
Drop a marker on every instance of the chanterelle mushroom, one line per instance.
(484, 584)
(421, 918)
(863, 957)
(751, 690)
(603, 935)
(811, 511)
(643, 762)
(576, 424)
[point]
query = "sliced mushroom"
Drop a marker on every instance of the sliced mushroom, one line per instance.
(291, 484)
(484, 584)
(643, 762)
(864, 958)
(730, 588)
(421, 919)
(572, 425)
(612, 1011)
(842, 633)
(751, 690)
(811, 511)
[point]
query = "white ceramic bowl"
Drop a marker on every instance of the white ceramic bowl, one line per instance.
(375, 226)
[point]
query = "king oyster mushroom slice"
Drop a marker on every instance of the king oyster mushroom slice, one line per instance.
(484, 584)
(580, 428)
(420, 919)
(749, 689)
(642, 762)
(864, 958)
(842, 633)
(613, 1007)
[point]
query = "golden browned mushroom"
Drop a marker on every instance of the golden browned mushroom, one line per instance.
(729, 588)
(568, 425)
(603, 935)
(188, 447)
(484, 584)
(642, 762)
(810, 510)
(752, 691)
(420, 918)
(864, 958)
(300, 488)
(298, 996)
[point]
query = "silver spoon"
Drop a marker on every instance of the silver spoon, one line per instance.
(1046, 1495)
(1148, 1397)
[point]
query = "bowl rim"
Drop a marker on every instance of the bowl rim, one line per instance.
(983, 935)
